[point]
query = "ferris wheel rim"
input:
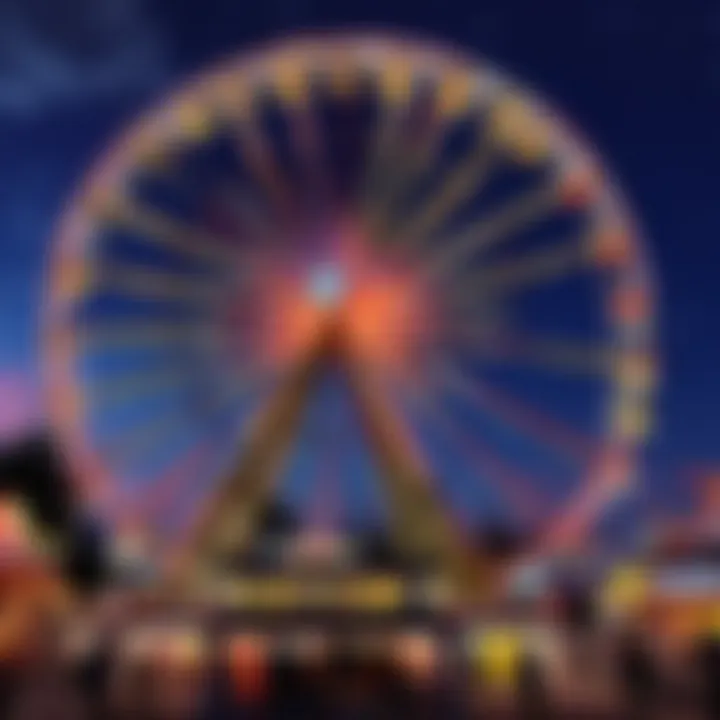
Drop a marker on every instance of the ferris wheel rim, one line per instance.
(104, 176)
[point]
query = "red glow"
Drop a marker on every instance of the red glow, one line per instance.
(292, 324)
(386, 313)
(383, 310)
(383, 317)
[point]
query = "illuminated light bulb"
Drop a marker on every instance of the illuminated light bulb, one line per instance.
(632, 422)
(327, 286)
(579, 187)
(455, 95)
(417, 655)
(290, 83)
(193, 120)
(612, 247)
(519, 129)
(342, 74)
(72, 282)
(630, 305)
(396, 80)
(637, 373)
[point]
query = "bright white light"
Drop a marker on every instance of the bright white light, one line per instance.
(327, 285)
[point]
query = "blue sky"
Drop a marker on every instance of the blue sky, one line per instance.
(641, 78)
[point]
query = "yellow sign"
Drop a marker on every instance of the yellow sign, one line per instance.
(376, 594)
(626, 590)
(497, 656)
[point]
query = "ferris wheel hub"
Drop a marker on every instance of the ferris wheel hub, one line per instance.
(327, 285)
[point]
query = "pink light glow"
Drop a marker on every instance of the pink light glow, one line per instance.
(19, 406)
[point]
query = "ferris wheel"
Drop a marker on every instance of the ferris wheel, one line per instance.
(482, 264)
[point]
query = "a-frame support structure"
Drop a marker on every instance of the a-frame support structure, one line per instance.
(421, 530)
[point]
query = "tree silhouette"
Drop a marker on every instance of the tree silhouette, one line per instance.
(32, 471)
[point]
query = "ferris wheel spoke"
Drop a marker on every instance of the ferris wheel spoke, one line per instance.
(413, 159)
(181, 519)
(382, 142)
(609, 480)
(133, 443)
(255, 149)
(529, 421)
(244, 211)
(414, 165)
(139, 510)
(387, 137)
(321, 506)
(176, 481)
(141, 335)
(450, 253)
(294, 88)
(129, 446)
(464, 182)
(519, 492)
(312, 157)
(158, 227)
(555, 354)
(544, 266)
(452, 101)
(149, 284)
(111, 393)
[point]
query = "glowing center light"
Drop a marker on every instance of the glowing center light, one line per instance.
(327, 285)
(382, 311)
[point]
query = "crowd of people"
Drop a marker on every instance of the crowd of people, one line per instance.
(686, 686)
(44, 683)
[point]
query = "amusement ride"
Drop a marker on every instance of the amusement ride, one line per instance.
(383, 237)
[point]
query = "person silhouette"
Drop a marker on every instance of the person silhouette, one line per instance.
(708, 670)
(638, 675)
(533, 700)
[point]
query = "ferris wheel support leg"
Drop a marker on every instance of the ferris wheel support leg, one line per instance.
(228, 523)
(422, 530)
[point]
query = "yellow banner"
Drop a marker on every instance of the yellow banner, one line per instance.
(381, 594)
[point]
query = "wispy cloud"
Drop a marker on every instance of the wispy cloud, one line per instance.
(68, 50)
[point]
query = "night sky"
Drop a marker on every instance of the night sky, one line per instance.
(641, 78)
